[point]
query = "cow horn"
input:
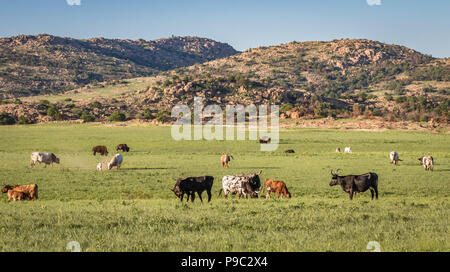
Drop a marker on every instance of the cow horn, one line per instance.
(260, 172)
(337, 170)
(332, 172)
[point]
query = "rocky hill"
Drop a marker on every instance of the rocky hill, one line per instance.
(40, 64)
(341, 78)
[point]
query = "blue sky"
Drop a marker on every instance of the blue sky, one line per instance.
(421, 25)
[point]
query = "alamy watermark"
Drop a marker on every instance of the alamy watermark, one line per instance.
(191, 126)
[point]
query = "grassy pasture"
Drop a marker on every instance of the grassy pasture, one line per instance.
(134, 210)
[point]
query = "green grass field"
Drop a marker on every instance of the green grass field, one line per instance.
(133, 209)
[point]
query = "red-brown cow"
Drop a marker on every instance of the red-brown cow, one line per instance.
(277, 186)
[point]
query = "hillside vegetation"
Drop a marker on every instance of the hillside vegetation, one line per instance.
(41, 64)
(341, 78)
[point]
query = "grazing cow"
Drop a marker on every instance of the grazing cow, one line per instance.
(347, 150)
(17, 195)
(276, 186)
(30, 190)
(115, 161)
(289, 151)
(191, 185)
(122, 147)
(264, 140)
(100, 149)
(394, 157)
(225, 158)
(427, 162)
(356, 183)
(243, 185)
(338, 150)
(46, 158)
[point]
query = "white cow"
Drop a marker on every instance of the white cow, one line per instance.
(394, 157)
(99, 166)
(428, 163)
(115, 161)
(347, 150)
(47, 158)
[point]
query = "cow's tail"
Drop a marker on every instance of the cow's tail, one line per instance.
(220, 191)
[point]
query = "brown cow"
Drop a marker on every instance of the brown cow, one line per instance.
(277, 186)
(100, 149)
(30, 190)
(225, 158)
(289, 151)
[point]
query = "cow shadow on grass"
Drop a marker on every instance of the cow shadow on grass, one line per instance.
(442, 170)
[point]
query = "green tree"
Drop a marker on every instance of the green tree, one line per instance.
(117, 117)
(6, 119)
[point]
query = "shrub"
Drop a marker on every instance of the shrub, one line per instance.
(163, 116)
(6, 119)
(95, 104)
(377, 112)
(53, 112)
(286, 107)
(147, 114)
(85, 116)
(117, 117)
(44, 102)
(24, 120)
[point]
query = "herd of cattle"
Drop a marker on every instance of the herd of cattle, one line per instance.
(242, 185)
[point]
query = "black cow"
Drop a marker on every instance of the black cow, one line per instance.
(122, 147)
(353, 184)
(265, 140)
(191, 185)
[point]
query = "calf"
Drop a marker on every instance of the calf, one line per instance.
(394, 157)
(191, 185)
(243, 185)
(46, 158)
(115, 161)
(122, 147)
(31, 191)
(347, 150)
(225, 158)
(338, 150)
(100, 149)
(427, 162)
(356, 183)
(17, 195)
(289, 151)
(277, 186)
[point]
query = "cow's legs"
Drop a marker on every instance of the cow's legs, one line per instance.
(181, 197)
(209, 194)
(372, 192)
(192, 196)
(199, 195)
(376, 192)
(351, 194)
